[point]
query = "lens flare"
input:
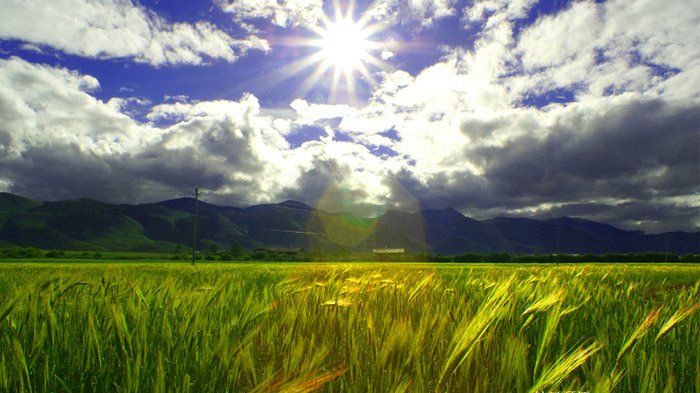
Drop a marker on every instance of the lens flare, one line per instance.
(365, 228)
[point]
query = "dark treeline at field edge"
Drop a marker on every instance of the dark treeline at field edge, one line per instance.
(237, 255)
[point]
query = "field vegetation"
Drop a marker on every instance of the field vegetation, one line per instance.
(371, 327)
(238, 254)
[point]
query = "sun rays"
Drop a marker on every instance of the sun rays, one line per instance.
(343, 55)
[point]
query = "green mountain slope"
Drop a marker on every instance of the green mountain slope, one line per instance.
(86, 224)
(13, 204)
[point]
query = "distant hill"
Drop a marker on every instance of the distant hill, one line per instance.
(11, 204)
(86, 224)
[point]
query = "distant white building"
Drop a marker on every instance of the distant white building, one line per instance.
(385, 251)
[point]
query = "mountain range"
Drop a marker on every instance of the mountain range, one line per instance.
(87, 224)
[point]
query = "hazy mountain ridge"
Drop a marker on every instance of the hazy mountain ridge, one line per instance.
(86, 224)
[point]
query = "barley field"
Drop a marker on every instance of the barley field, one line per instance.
(349, 328)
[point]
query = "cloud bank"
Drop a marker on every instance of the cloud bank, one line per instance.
(592, 111)
(108, 29)
(283, 13)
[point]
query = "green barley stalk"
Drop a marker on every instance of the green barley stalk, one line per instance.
(469, 333)
(639, 332)
(676, 318)
(301, 384)
(422, 284)
(555, 374)
(550, 328)
(546, 302)
(21, 364)
(10, 306)
(63, 384)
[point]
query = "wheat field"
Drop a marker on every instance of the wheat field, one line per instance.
(349, 328)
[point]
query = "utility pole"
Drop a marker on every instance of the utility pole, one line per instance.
(558, 255)
(194, 227)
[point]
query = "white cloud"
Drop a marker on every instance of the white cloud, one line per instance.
(5, 185)
(425, 12)
(131, 106)
(58, 141)
(500, 9)
(309, 113)
(247, 149)
(42, 105)
(284, 13)
(119, 28)
(470, 143)
(668, 33)
(31, 48)
(556, 40)
(616, 46)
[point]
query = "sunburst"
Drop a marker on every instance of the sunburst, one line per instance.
(345, 53)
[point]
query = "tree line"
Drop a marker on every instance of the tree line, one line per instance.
(237, 253)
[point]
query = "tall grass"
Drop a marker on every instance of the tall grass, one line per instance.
(348, 328)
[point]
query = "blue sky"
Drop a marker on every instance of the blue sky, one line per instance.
(522, 108)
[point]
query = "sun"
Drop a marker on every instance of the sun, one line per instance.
(344, 51)
(344, 45)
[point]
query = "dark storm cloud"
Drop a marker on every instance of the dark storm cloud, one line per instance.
(220, 141)
(658, 217)
(635, 164)
(207, 153)
(59, 164)
(312, 184)
(457, 189)
(628, 161)
(639, 150)
(58, 141)
(476, 128)
(324, 186)
(64, 171)
(5, 142)
(628, 140)
(178, 168)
